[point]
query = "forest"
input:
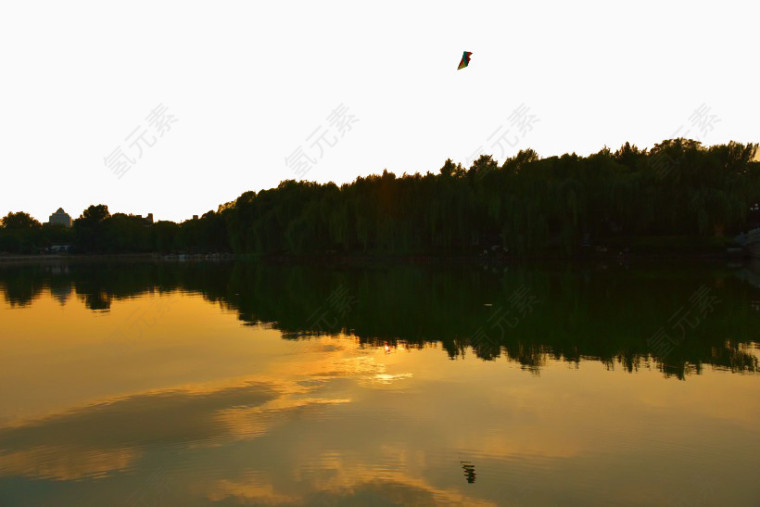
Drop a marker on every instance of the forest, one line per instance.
(679, 192)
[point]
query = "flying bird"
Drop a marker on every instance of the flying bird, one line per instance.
(465, 60)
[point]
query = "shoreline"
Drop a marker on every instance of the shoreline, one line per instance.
(622, 258)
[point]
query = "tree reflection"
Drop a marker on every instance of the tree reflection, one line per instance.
(604, 314)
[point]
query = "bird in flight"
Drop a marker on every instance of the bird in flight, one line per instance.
(465, 60)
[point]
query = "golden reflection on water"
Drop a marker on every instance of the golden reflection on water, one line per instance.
(171, 386)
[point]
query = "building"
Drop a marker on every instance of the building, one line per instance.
(148, 219)
(60, 217)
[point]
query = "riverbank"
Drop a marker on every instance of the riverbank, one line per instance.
(607, 255)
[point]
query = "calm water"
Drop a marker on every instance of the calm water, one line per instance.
(192, 384)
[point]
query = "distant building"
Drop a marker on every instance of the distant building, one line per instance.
(60, 217)
(148, 219)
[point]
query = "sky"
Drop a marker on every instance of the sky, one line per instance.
(173, 108)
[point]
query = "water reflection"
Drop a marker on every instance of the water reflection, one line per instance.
(682, 318)
(136, 390)
(469, 471)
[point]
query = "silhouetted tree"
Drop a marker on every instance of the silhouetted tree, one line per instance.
(89, 229)
(527, 206)
(19, 233)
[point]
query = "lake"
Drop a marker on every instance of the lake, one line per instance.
(228, 383)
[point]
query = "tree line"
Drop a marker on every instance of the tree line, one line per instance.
(527, 205)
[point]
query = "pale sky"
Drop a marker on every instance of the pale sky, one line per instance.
(247, 83)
